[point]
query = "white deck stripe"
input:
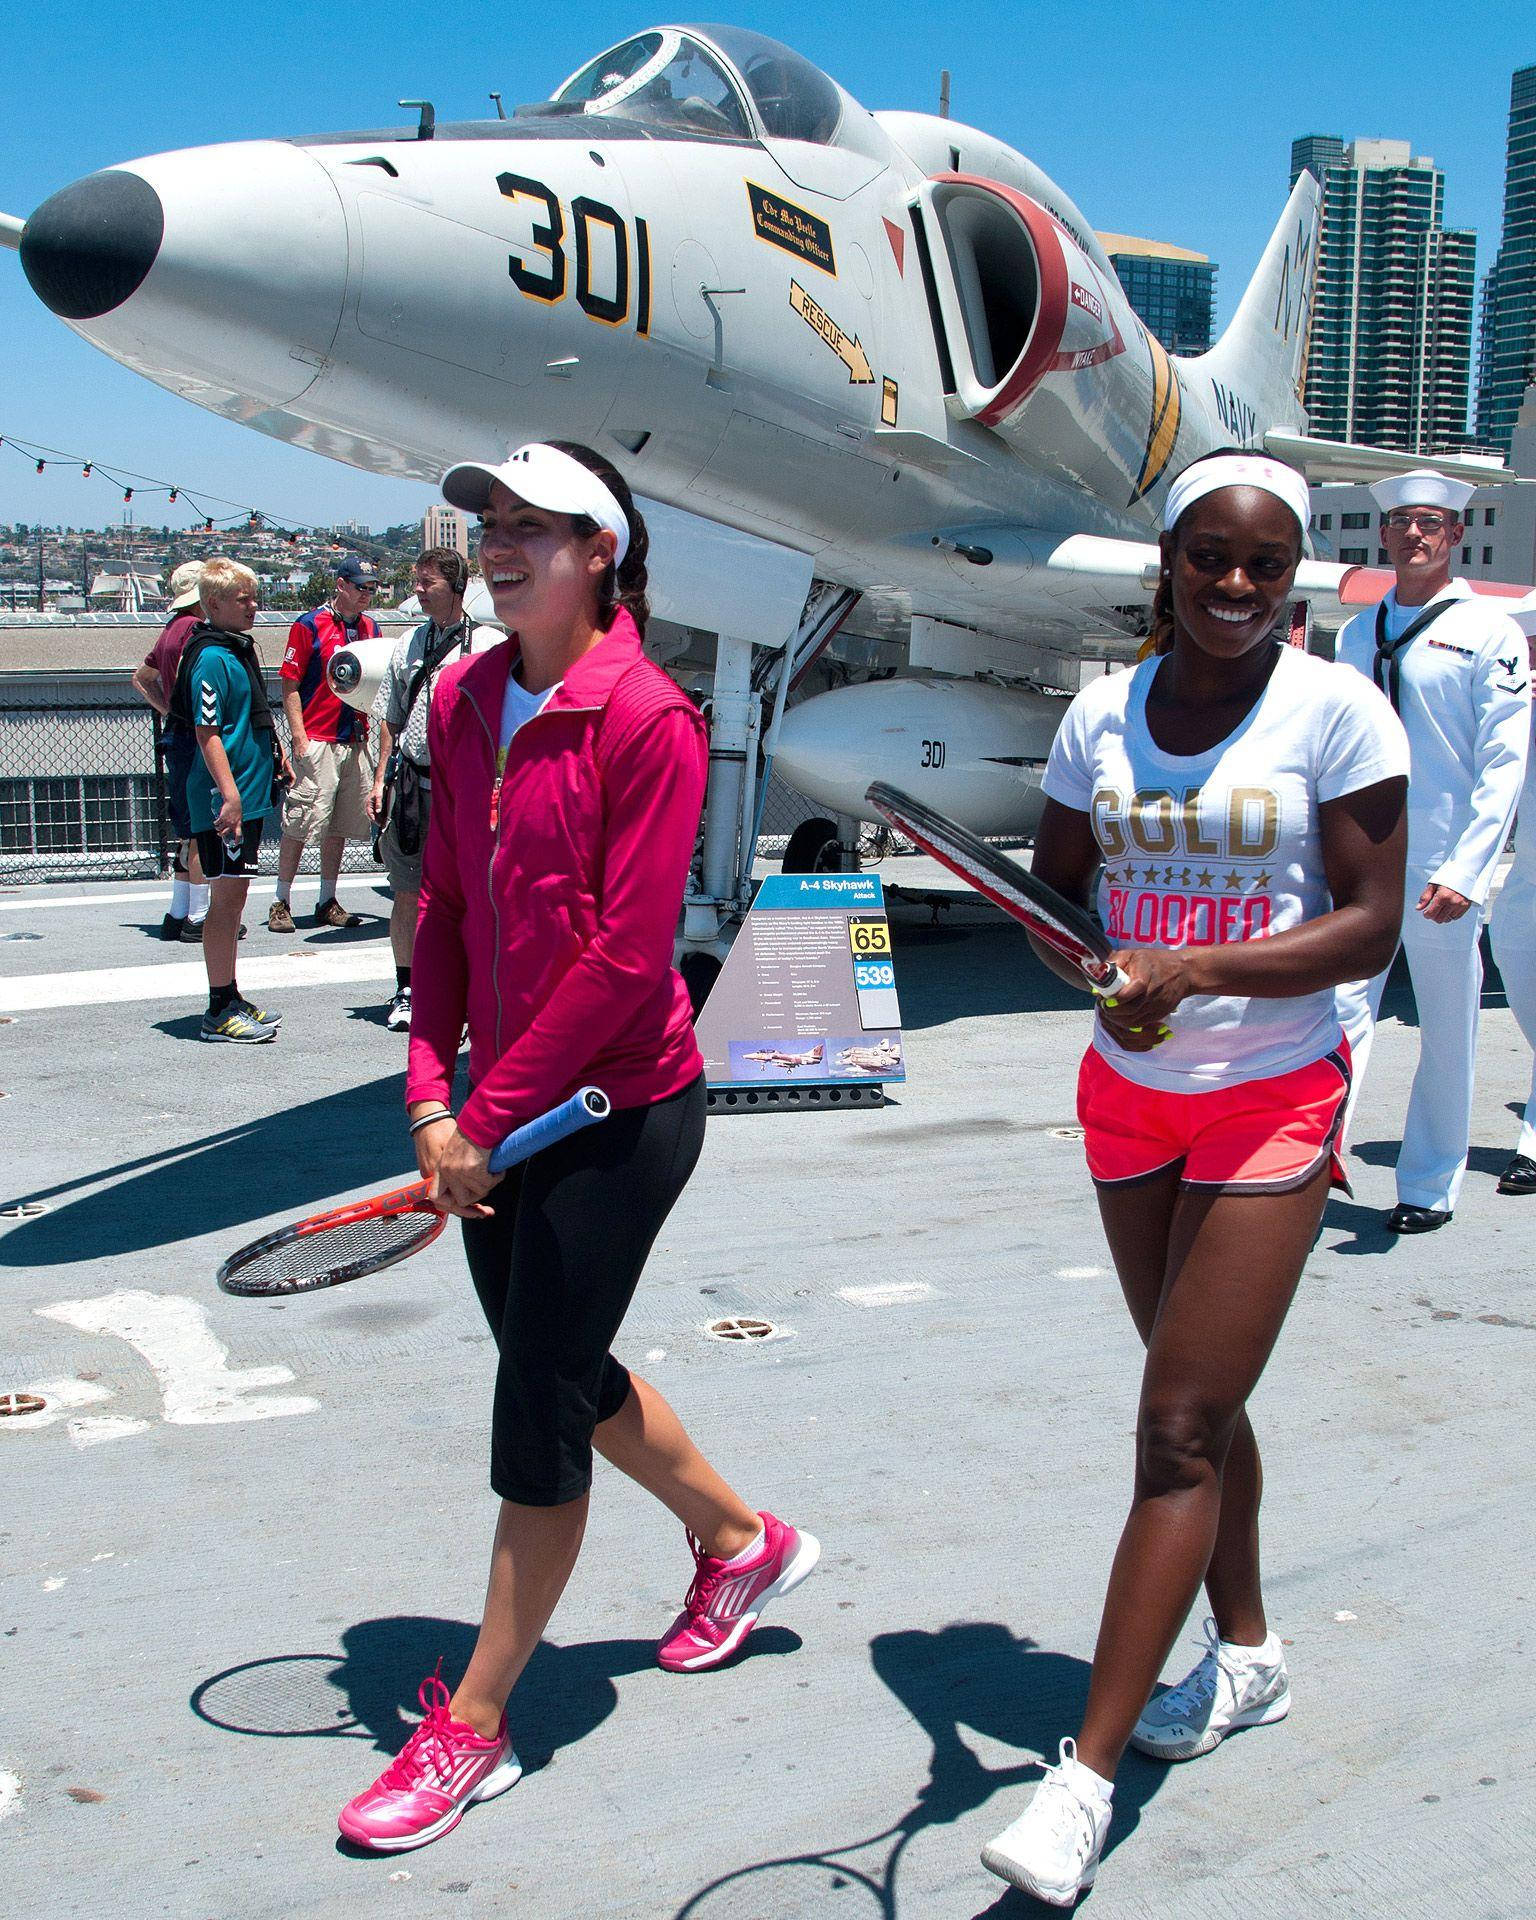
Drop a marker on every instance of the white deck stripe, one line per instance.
(188, 979)
(151, 894)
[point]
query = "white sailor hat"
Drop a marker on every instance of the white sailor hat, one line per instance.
(1424, 488)
(1523, 613)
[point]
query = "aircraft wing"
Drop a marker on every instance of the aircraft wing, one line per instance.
(1095, 576)
(1339, 460)
(1336, 592)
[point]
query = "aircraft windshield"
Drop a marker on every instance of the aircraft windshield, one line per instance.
(794, 100)
(666, 79)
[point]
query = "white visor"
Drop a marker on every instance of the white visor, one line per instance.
(544, 477)
(1237, 470)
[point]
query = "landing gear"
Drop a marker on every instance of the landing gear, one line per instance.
(700, 970)
(813, 848)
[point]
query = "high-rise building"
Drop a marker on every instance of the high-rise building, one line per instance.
(1506, 358)
(1314, 153)
(446, 527)
(1172, 290)
(1390, 349)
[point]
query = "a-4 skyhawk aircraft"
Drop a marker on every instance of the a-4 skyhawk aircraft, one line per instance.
(848, 359)
(787, 1062)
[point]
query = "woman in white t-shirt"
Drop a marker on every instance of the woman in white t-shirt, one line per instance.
(1247, 802)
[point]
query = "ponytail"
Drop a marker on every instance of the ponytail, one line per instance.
(623, 586)
(1159, 638)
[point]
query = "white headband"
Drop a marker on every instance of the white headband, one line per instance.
(1237, 470)
(544, 477)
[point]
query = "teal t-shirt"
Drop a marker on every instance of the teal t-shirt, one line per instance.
(219, 693)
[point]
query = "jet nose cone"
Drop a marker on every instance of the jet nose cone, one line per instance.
(89, 247)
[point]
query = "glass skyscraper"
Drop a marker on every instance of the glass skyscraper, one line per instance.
(1506, 360)
(1172, 291)
(1390, 348)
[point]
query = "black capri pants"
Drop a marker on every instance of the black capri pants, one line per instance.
(556, 1268)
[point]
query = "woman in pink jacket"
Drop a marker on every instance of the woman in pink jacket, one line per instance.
(568, 772)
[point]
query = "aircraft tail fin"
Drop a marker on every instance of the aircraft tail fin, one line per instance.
(1262, 348)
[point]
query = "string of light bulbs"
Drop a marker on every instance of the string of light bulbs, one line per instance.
(143, 485)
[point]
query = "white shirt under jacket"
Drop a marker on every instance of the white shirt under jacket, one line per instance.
(1210, 848)
(1465, 700)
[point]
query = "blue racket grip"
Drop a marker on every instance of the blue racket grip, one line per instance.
(581, 1110)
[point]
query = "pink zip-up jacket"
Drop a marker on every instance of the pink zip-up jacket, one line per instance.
(550, 897)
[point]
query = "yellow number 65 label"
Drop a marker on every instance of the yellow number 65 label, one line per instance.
(869, 936)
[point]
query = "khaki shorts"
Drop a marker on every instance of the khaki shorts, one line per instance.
(404, 869)
(327, 795)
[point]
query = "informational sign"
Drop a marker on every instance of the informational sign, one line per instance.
(808, 994)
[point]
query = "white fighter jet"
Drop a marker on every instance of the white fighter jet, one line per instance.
(848, 360)
(881, 1058)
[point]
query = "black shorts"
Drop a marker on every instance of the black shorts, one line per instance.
(556, 1268)
(219, 863)
(180, 753)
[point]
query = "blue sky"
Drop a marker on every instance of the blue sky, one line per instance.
(1169, 121)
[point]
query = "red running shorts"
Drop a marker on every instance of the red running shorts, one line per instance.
(1261, 1136)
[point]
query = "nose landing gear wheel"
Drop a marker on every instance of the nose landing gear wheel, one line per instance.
(700, 971)
(813, 848)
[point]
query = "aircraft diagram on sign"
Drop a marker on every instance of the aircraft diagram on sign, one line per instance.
(881, 1057)
(786, 1062)
(867, 371)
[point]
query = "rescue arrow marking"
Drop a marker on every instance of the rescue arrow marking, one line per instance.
(821, 323)
(172, 1335)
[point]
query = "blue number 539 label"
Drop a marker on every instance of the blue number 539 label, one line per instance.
(873, 973)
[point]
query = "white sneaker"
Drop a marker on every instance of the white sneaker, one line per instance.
(398, 1018)
(1052, 1850)
(1232, 1687)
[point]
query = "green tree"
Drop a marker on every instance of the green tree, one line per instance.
(317, 588)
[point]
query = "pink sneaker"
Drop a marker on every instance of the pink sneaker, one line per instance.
(727, 1596)
(443, 1768)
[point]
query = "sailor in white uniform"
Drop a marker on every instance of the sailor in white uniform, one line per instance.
(1513, 927)
(1456, 669)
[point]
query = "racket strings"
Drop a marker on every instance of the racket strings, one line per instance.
(311, 1260)
(1042, 916)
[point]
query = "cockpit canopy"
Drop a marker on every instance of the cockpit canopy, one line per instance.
(724, 82)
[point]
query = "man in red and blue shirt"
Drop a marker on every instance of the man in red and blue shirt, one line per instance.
(333, 773)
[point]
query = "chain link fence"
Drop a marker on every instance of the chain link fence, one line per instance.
(83, 795)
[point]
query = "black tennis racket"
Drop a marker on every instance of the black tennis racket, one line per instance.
(367, 1235)
(1055, 922)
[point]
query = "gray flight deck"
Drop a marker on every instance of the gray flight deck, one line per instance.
(222, 1577)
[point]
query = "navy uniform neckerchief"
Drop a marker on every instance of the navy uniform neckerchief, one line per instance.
(1386, 668)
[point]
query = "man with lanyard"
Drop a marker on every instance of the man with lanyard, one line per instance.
(402, 787)
(1455, 668)
(332, 773)
(155, 679)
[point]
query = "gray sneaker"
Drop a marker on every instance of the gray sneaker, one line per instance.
(1232, 1687)
(236, 1024)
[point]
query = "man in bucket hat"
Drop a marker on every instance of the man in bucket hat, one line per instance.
(154, 678)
